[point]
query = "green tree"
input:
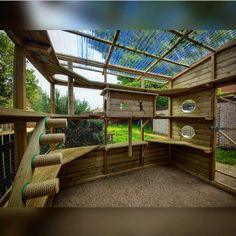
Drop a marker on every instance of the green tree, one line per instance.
(36, 98)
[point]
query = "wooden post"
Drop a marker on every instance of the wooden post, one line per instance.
(52, 98)
(213, 111)
(19, 95)
(53, 109)
(130, 136)
(70, 92)
(142, 129)
(142, 83)
(170, 121)
(105, 76)
(105, 143)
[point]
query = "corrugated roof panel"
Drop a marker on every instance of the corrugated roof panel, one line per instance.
(129, 59)
(166, 68)
(213, 38)
(187, 52)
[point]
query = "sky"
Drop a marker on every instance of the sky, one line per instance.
(72, 45)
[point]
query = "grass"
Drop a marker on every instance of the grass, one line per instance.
(225, 156)
(121, 135)
(120, 132)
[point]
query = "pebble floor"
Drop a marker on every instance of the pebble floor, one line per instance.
(161, 186)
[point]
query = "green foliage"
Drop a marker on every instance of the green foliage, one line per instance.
(120, 132)
(6, 69)
(225, 156)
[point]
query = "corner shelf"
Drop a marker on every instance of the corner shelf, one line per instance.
(182, 143)
(119, 145)
(183, 117)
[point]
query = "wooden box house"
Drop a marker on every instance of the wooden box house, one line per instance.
(127, 103)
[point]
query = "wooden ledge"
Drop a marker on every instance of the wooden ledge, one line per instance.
(121, 145)
(183, 117)
(182, 143)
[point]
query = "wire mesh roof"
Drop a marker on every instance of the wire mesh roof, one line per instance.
(163, 53)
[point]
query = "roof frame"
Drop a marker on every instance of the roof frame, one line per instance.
(179, 40)
(193, 41)
(125, 47)
(83, 61)
(116, 36)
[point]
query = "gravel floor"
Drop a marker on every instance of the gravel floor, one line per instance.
(162, 186)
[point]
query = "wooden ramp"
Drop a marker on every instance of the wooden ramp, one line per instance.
(51, 172)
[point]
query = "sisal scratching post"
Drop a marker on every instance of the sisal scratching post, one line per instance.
(51, 138)
(43, 188)
(46, 160)
(56, 123)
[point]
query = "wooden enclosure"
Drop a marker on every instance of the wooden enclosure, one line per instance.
(195, 154)
(124, 103)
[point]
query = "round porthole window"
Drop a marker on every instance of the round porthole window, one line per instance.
(188, 132)
(189, 106)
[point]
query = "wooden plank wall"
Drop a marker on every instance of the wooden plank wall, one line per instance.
(226, 63)
(156, 153)
(191, 160)
(198, 75)
(133, 102)
(202, 100)
(202, 132)
(92, 164)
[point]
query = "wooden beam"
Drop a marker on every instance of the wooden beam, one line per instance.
(35, 47)
(111, 67)
(52, 98)
(19, 94)
(70, 92)
(193, 40)
(125, 47)
(116, 36)
(227, 100)
(227, 137)
(130, 137)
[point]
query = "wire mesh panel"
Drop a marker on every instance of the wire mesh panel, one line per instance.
(84, 133)
(7, 164)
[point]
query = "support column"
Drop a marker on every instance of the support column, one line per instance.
(19, 102)
(52, 98)
(142, 83)
(105, 76)
(130, 136)
(70, 92)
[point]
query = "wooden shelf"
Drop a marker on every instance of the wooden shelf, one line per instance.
(8, 115)
(182, 143)
(120, 145)
(187, 90)
(183, 117)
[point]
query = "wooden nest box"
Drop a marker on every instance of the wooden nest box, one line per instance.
(127, 103)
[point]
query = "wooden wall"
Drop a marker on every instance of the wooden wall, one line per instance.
(133, 102)
(198, 75)
(95, 164)
(226, 63)
(203, 102)
(192, 160)
(156, 153)
(202, 132)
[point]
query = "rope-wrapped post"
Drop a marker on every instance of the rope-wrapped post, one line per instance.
(51, 138)
(46, 160)
(56, 123)
(40, 189)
